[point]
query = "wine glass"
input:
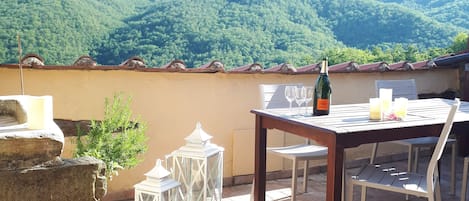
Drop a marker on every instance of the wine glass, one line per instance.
(290, 95)
(300, 96)
(309, 90)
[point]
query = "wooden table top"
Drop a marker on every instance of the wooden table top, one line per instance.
(351, 118)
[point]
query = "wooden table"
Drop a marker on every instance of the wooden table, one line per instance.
(349, 126)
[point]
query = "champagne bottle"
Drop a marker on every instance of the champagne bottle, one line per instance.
(322, 92)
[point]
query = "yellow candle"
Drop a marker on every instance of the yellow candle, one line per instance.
(375, 109)
(400, 107)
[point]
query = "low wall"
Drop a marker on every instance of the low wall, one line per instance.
(172, 103)
(80, 179)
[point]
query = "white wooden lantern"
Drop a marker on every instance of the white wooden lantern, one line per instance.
(198, 166)
(158, 186)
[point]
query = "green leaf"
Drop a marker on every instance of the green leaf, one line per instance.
(118, 140)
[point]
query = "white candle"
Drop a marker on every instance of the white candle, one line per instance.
(385, 95)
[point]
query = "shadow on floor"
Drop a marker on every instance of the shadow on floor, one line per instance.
(279, 190)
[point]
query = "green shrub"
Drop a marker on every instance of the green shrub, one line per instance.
(117, 140)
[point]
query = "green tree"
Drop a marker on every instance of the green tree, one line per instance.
(341, 55)
(459, 42)
(412, 53)
(381, 55)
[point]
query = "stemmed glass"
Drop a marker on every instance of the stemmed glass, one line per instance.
(309, 96)
(300, 96)
(290, 95)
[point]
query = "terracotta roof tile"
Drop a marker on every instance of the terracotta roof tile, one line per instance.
(420, 64)
(310, 68)
(32, 59)
(176, 65)
(423, 64)
(136, 63)
(403, 65)
(284, 67)
(255, 67)
(378, 66)
(214, 65)
(85, 60)
(133, 62)
(344, 67)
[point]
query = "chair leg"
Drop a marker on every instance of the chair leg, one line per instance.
(410, 158)
(374, 151)
(305, 176)
(344, 175)
(464, 179)
(438, 191)
(437, 184)
(416, 159)
(363, 195)
(349, 191)
(252, 191)
(294, 177)
(452, 189)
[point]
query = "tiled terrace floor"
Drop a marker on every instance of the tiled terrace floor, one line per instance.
(279, 189)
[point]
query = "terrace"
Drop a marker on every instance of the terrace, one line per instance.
(172, 98)
(279, 189)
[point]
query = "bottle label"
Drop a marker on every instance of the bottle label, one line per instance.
(322, 104)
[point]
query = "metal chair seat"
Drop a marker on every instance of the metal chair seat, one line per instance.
(273, 97)
(407, 89)
(300, 151)
(389, 178)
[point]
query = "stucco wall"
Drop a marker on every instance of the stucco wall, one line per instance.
(172, 104)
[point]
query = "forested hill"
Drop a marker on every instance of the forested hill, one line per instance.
(454, 12)
(237, 32)
(60, 30)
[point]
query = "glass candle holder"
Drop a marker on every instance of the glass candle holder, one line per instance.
(375, 109)
(400, 107)
(385, 96)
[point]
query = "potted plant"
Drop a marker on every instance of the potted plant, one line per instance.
(117, 140)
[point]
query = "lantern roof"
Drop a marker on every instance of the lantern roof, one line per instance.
(198, 136)
(158, 172)
(198, 145)
(157, 180)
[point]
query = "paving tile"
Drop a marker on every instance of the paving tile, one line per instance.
(279, 190)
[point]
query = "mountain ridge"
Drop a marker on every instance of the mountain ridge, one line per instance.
(236, 32)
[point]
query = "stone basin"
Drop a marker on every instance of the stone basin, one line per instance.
(20, 146)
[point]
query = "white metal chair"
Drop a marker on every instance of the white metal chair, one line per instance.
(407, 89)
(273, 97)
(387, 177)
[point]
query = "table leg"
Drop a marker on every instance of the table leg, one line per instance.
(260, 161)
(335, 162)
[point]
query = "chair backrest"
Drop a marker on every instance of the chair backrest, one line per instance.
(400, 88)
(432, 165)
(273, 95)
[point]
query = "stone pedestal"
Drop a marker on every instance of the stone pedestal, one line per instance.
(23, 148)
(30, 164)
(81, 179)
(20, 146)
